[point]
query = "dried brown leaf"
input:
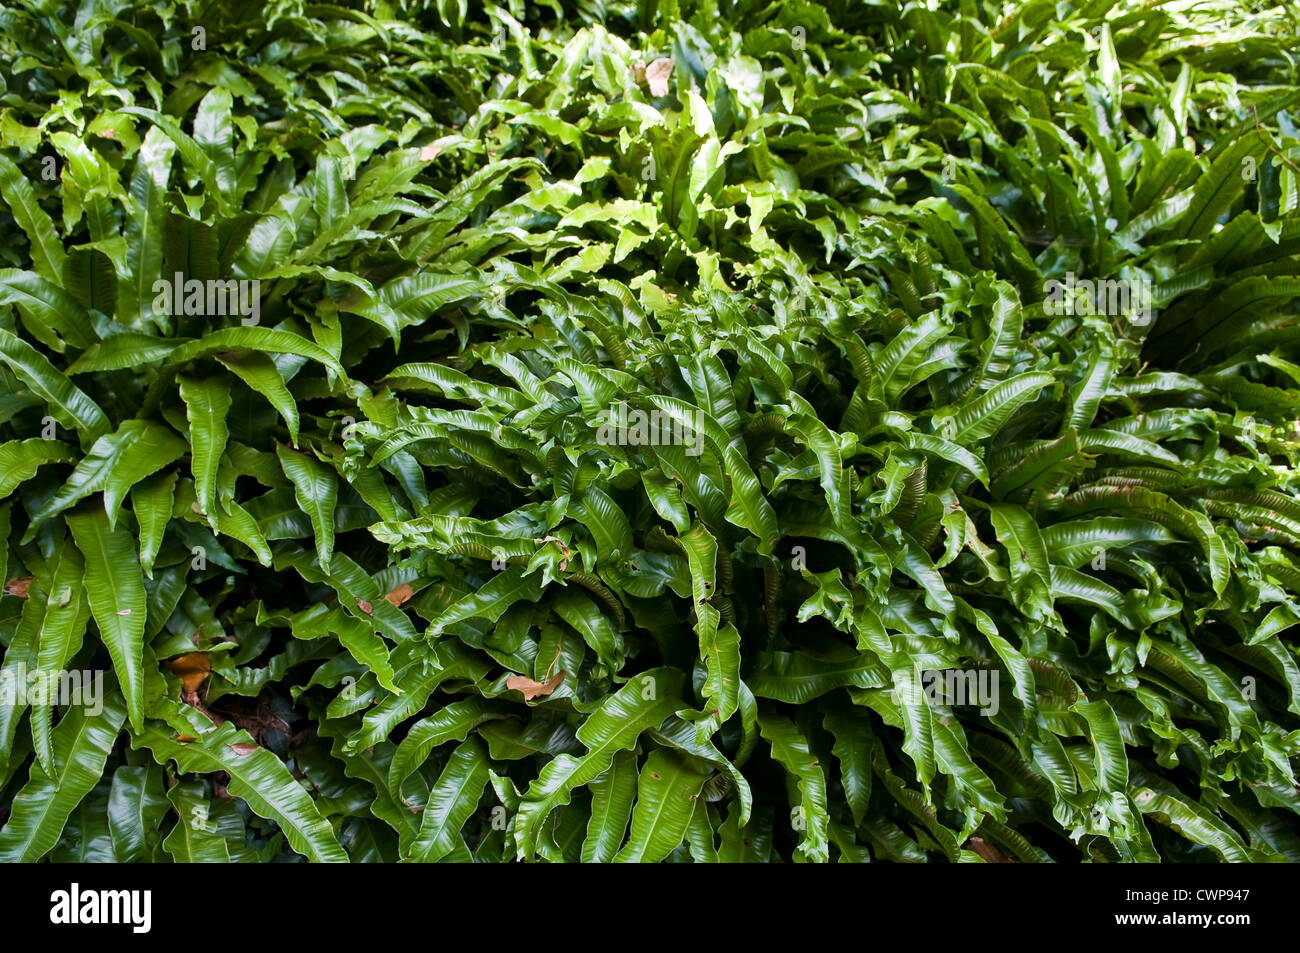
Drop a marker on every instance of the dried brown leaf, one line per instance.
(657, 74)
(990, 853)
(534, 689)
(192, 669)
(18, 587)
(400, 594)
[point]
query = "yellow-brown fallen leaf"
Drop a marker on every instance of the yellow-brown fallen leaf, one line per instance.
(242, 748)
(990, 853)
(192, 668)
(656, 74)
(18, 587)
(365, 607)
(186, 739)
(400, 594)
(532, 689)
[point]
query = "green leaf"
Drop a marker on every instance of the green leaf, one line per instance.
(115, 463)
(1218, 187)
(1031, 575)
(69, 405)
(49, 313)
(136, 807)
(260, 373)
(642, 704)
(492, 599)
(1077, 542)
(152, 502)
(20, 459)
(790, 748)
(1108, 746)
(364, 645)
(451, 802)
(452, 723)
(145, 231)
(665, 800)
(62, 627)
(207, 402)
(1194, 823)
(268, 340)
(194, 839)
(47, 250)
(316, 490)
(796, 677)
(1087, 395)
(257, 777)
(82, 742)
(986, 414)
(611, 808)
(89, 277)
(853, 749)
(115, 590)
(122, 351)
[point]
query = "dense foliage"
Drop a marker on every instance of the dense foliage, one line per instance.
(374, 570)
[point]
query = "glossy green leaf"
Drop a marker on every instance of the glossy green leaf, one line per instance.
(115, 591)
(256, 776)
(451, 802)
(666, 793)
(82, 742)
(316, 491)
(206, 404)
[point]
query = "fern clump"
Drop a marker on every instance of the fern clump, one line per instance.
(712, 431)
